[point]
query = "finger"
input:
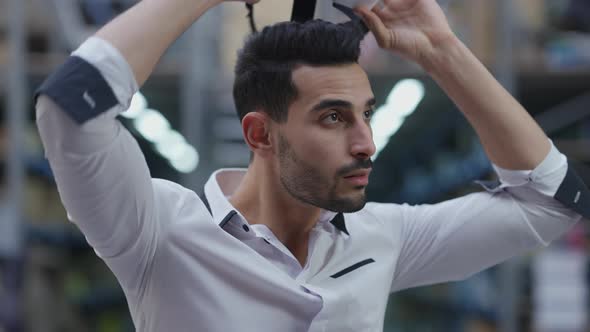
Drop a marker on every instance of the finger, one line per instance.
(379, 10)
(376, 25)
(380, 4)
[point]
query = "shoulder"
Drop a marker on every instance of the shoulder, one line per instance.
(383, 211)
(172, 198)
(170, 190)
(377, 216)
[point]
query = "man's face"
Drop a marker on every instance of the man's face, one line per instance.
(324, 148)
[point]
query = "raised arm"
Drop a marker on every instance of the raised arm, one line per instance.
(143, 33)
(454, 239)
(101, 174)
(418, 30)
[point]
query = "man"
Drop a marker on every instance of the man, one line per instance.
(289, 244)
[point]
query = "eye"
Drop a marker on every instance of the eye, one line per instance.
(331, 118)
(368, 114)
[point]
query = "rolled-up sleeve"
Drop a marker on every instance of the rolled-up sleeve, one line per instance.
(457, 238)
(101, 174)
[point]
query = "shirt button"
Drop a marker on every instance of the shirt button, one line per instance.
(246, 228)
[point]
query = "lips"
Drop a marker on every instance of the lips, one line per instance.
(359, 173)
(359, 178)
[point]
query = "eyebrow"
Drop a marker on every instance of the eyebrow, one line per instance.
(338, 103)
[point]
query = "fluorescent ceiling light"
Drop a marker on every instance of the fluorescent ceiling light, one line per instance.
(188, 161)
(171, 145)
(152, 125)
(138, 105)
(401, 102)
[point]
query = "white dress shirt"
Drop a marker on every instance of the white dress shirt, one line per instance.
(184, 269)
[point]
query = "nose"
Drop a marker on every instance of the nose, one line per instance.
(362, 145)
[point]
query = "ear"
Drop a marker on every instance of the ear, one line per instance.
(256, 130)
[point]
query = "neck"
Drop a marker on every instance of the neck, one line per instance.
(262, 199)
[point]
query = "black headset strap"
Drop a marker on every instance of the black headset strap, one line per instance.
(250, 8)
(303, 10)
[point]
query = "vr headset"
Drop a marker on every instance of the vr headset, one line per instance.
(304, 10)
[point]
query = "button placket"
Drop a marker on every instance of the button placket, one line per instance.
(239, 230)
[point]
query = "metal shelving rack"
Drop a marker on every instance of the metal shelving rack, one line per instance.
(11, 232)
(67, 23)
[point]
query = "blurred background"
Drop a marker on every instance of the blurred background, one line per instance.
(185, 122)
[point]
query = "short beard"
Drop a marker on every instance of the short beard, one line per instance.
(306, 183)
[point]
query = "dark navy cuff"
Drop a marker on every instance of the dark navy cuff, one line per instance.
(573, 191)
(79, 89)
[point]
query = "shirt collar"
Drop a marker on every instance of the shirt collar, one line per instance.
(224, 182)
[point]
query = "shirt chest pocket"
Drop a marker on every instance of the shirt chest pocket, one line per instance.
(352, 268)
(366, 285)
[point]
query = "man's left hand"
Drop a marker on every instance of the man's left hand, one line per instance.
(413, 28)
